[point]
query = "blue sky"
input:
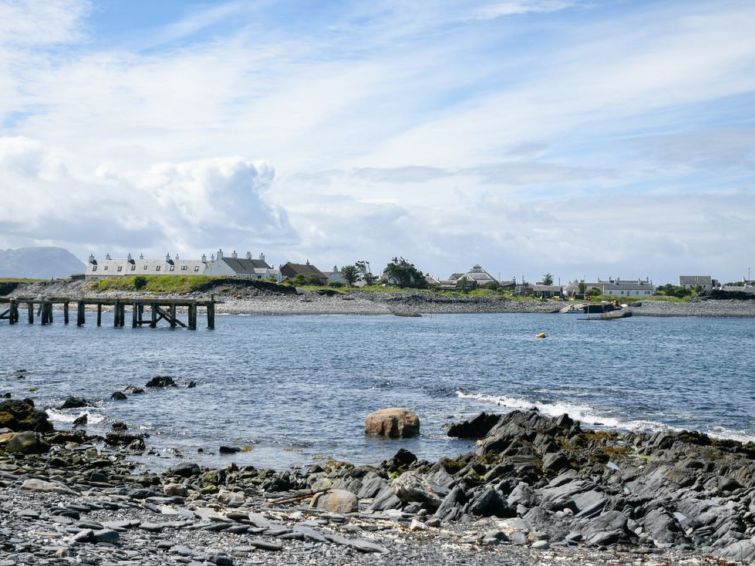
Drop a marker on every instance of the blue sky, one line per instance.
(583, 138)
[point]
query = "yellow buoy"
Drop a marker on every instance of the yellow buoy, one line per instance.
(541, 335)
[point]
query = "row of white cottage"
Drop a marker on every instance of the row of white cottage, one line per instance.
(218, 264)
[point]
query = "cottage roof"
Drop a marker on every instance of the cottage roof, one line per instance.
(622, 285)
(304, 269)
(244, 266)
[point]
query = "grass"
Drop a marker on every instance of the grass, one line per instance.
(155, 283)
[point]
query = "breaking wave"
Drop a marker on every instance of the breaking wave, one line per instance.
(59, 416)
(590, 416)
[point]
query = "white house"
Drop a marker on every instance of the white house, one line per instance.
(623, 287)
(232, 266)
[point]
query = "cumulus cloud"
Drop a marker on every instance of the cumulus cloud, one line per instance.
(184, 206)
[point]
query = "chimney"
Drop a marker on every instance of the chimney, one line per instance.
(262, 256)
(141, 256)
(220, 253)
(91, 259)
(167, 257)
(204, 258)
(107, 256)
(248, 255)
(234, 255)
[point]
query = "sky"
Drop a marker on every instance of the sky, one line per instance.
(584, 138)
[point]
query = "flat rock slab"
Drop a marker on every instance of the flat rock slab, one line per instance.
(265, 545)
(47, 486)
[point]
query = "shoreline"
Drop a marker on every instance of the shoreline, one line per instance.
(535, 490)
(252, 301)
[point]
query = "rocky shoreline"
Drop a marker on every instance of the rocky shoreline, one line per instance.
(246, 299)
(535, 490)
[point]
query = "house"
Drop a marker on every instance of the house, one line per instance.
(110, 267)
(547, 291)
(335, 276)
(475, 277)
(307, 271)
(235, 266)
(704, 282)
(228, 266)
(622, 287)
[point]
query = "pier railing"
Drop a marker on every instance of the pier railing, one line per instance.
(144, 311)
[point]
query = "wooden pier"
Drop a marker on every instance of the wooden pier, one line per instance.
(157, 310)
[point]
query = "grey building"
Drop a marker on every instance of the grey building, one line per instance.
(243, 267)
(705, 282)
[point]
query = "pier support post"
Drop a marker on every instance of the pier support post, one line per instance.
(30, 312)
(65, 313)
(153, 313)
(134, 315)
(116, 314)
(99, 314)
(192, 316)
(46, 312)
(12, 312)
(80, 314)
(211, 315)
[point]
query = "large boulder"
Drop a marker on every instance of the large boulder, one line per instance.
(20, 415)
(336, 501)
(161, 381)
(392, 423)
(27, 442)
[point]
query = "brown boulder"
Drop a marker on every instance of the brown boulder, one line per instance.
(19, 415)
(26, 442)
(395, 422)
(336, 501)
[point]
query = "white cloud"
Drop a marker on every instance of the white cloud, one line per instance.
(185, 206)
(517, 7)
(40, 23)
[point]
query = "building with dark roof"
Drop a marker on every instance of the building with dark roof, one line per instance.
(305, 270)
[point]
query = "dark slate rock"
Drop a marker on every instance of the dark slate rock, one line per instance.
(185, 470)
(400, 460)
(229, 450)
(262, 544)
(75, 403)
(81, 421)
(106, 535)
(489, 503)
(662, 527)
(371, 485)
(452, 506)
(385, 500)
(161, 381)
(555, 462)
(118, 396)
(474, 428)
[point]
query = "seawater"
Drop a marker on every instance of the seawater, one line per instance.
(297, 388)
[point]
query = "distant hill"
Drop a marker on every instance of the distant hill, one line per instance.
(39, 263)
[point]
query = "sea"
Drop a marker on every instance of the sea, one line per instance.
(294, 390)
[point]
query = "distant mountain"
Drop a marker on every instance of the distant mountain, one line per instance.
(39, 263)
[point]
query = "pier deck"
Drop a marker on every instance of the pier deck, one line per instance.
(157, 310)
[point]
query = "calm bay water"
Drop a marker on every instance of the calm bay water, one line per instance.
(297, 388)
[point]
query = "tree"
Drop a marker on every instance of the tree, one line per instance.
(365, 272)
(582, 288)
(548, 279)
(404, 274)
(350, 273)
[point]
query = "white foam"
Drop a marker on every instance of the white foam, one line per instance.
(590, 416)
(61, 417)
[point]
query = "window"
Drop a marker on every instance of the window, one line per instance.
(196, 268)
(104, 268)
(133, 267)
(172, 267)
(94, 268)
(184, 268)
(145, 268)
(157, 267)
(120, 268)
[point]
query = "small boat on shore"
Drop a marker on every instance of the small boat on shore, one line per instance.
(411, 314)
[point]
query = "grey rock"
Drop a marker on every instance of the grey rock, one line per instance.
(106, 535)
(452, 506)
(265, 545)
(488, 503)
